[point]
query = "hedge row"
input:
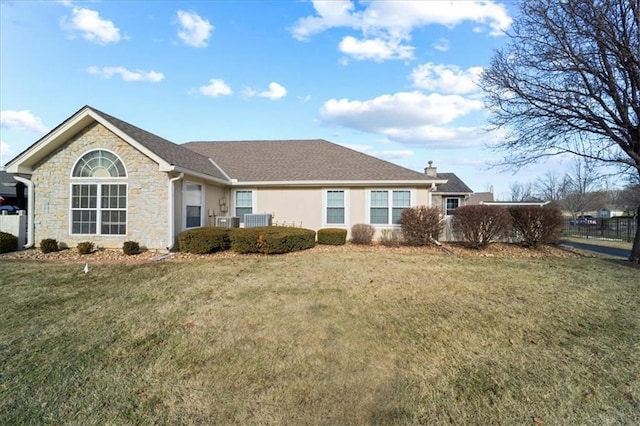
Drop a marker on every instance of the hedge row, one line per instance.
(266, 240)
(480, 225)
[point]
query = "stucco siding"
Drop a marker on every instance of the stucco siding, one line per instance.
(147, 192)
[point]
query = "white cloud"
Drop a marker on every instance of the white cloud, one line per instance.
(442, 44)
(216, 88)
(92, 26)
(275, 92)
(446, 78)
(377, 49)
(194, 31)
(21, 120)
(126, 75)
(410, 118)
(6, 153)
(395, 20)
(400, 109)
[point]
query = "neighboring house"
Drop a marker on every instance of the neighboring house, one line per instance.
(480, 197)
(97, 178)
(11, 190)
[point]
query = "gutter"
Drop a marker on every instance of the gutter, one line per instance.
(30, 210)
(172, 210)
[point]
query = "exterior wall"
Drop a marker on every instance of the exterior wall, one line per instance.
(305, 207)
(147, 193)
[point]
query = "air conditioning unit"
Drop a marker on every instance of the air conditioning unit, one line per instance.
(227, 222)
(255, 220)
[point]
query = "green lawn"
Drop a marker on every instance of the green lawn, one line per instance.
(318, 337)
(600, 242)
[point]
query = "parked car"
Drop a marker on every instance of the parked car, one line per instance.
(583, 221)
(10, 209)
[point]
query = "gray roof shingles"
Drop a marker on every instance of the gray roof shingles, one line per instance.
(454, 185)
(170, 152)
(299, 160)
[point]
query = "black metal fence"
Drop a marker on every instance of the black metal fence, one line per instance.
(615, 228)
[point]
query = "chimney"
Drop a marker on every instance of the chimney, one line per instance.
(430, 170)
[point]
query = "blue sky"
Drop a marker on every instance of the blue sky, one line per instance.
(389, 78)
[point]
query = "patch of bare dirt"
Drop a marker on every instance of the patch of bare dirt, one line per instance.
(449, 249)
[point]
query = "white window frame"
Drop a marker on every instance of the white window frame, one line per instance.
(98, 182)
(325, 207)
(390, 191)
(184, 204)
(446, 206)
(254, 197)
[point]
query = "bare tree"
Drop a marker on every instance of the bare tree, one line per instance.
(552, 186)
(521, 191)
(568, 82)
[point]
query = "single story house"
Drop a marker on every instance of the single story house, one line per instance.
(97, 178)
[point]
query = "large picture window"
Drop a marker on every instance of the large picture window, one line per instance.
(243, 204)
(386, 206)
(98, 208)
(335, 207)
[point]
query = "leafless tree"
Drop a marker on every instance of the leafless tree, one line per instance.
(552, 186)
(521, 191)
(568, 82)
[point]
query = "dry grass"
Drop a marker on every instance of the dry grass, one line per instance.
(322, 337)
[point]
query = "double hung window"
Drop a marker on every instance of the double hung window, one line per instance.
(243, 203)
(386, 206)
(335, 214)
(99, 195)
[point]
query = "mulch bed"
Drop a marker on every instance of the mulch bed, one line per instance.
(449, 249)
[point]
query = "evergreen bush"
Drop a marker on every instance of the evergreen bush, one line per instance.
(332, 236)
(8, 242)
(204, 240)
(85, 247)
(272, 239)
(49, 245)
(130, 248)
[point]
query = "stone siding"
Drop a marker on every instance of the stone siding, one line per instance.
(147, 192)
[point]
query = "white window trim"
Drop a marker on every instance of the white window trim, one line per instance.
(325, 206)
(184, 204)
(446, 209)
(412, 203)
(254, 201)
(98, 182)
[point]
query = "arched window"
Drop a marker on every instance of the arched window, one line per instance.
(99, 163)
(98, 203)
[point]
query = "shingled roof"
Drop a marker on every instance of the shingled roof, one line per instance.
(170, 152)
(454, 185)
(300, 160)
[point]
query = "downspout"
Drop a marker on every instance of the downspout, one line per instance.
(30, 213)
(172, 210)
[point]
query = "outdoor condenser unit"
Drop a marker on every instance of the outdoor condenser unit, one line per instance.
(227, 221)
(255, 220)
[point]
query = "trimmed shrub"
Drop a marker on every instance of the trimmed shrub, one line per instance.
(362, 233)
(421, 225)
(537, 225)
(131, 248)
(477, 226)
(332, 236)
(204, 240)
(49, 245)
(272, 239)
(85, 247)
(391, 238)
(8, 242)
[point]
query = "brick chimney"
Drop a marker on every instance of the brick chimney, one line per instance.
(430, 170)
